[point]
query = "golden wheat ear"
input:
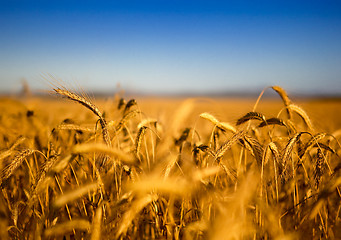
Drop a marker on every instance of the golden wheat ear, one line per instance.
(287, 153)
(121, 103)
(228, 144)
(284, 96)
(254, 147)
(89, 105)
(16, 162)
(250, 116)
(313, 140)
(302, 114)
(139, 137)
(272, 121)
(224, 126)
(129, 104)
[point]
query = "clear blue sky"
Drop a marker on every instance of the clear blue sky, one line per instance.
(170, 46)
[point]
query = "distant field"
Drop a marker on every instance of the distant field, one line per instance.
(176, 168)
(229, 109)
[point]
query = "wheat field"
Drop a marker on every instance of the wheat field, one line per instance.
(161, 168)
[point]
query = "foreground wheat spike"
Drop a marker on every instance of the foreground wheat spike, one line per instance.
(90, 106)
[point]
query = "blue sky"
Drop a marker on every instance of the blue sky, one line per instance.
(172, 46)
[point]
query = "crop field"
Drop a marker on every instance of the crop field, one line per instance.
(74, 167)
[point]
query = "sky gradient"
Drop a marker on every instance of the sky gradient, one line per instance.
(172, 46)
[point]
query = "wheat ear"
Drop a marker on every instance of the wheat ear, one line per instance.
(282, 93)
(302, 114)
(17, 161)
(272, 121)
(227, 145)
(254, 147)
(224, 126)
(314, 139)
(139, 137)
(249, 116)
(287, 153)
(89, 105)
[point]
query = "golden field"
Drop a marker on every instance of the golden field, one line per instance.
(170, 168)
